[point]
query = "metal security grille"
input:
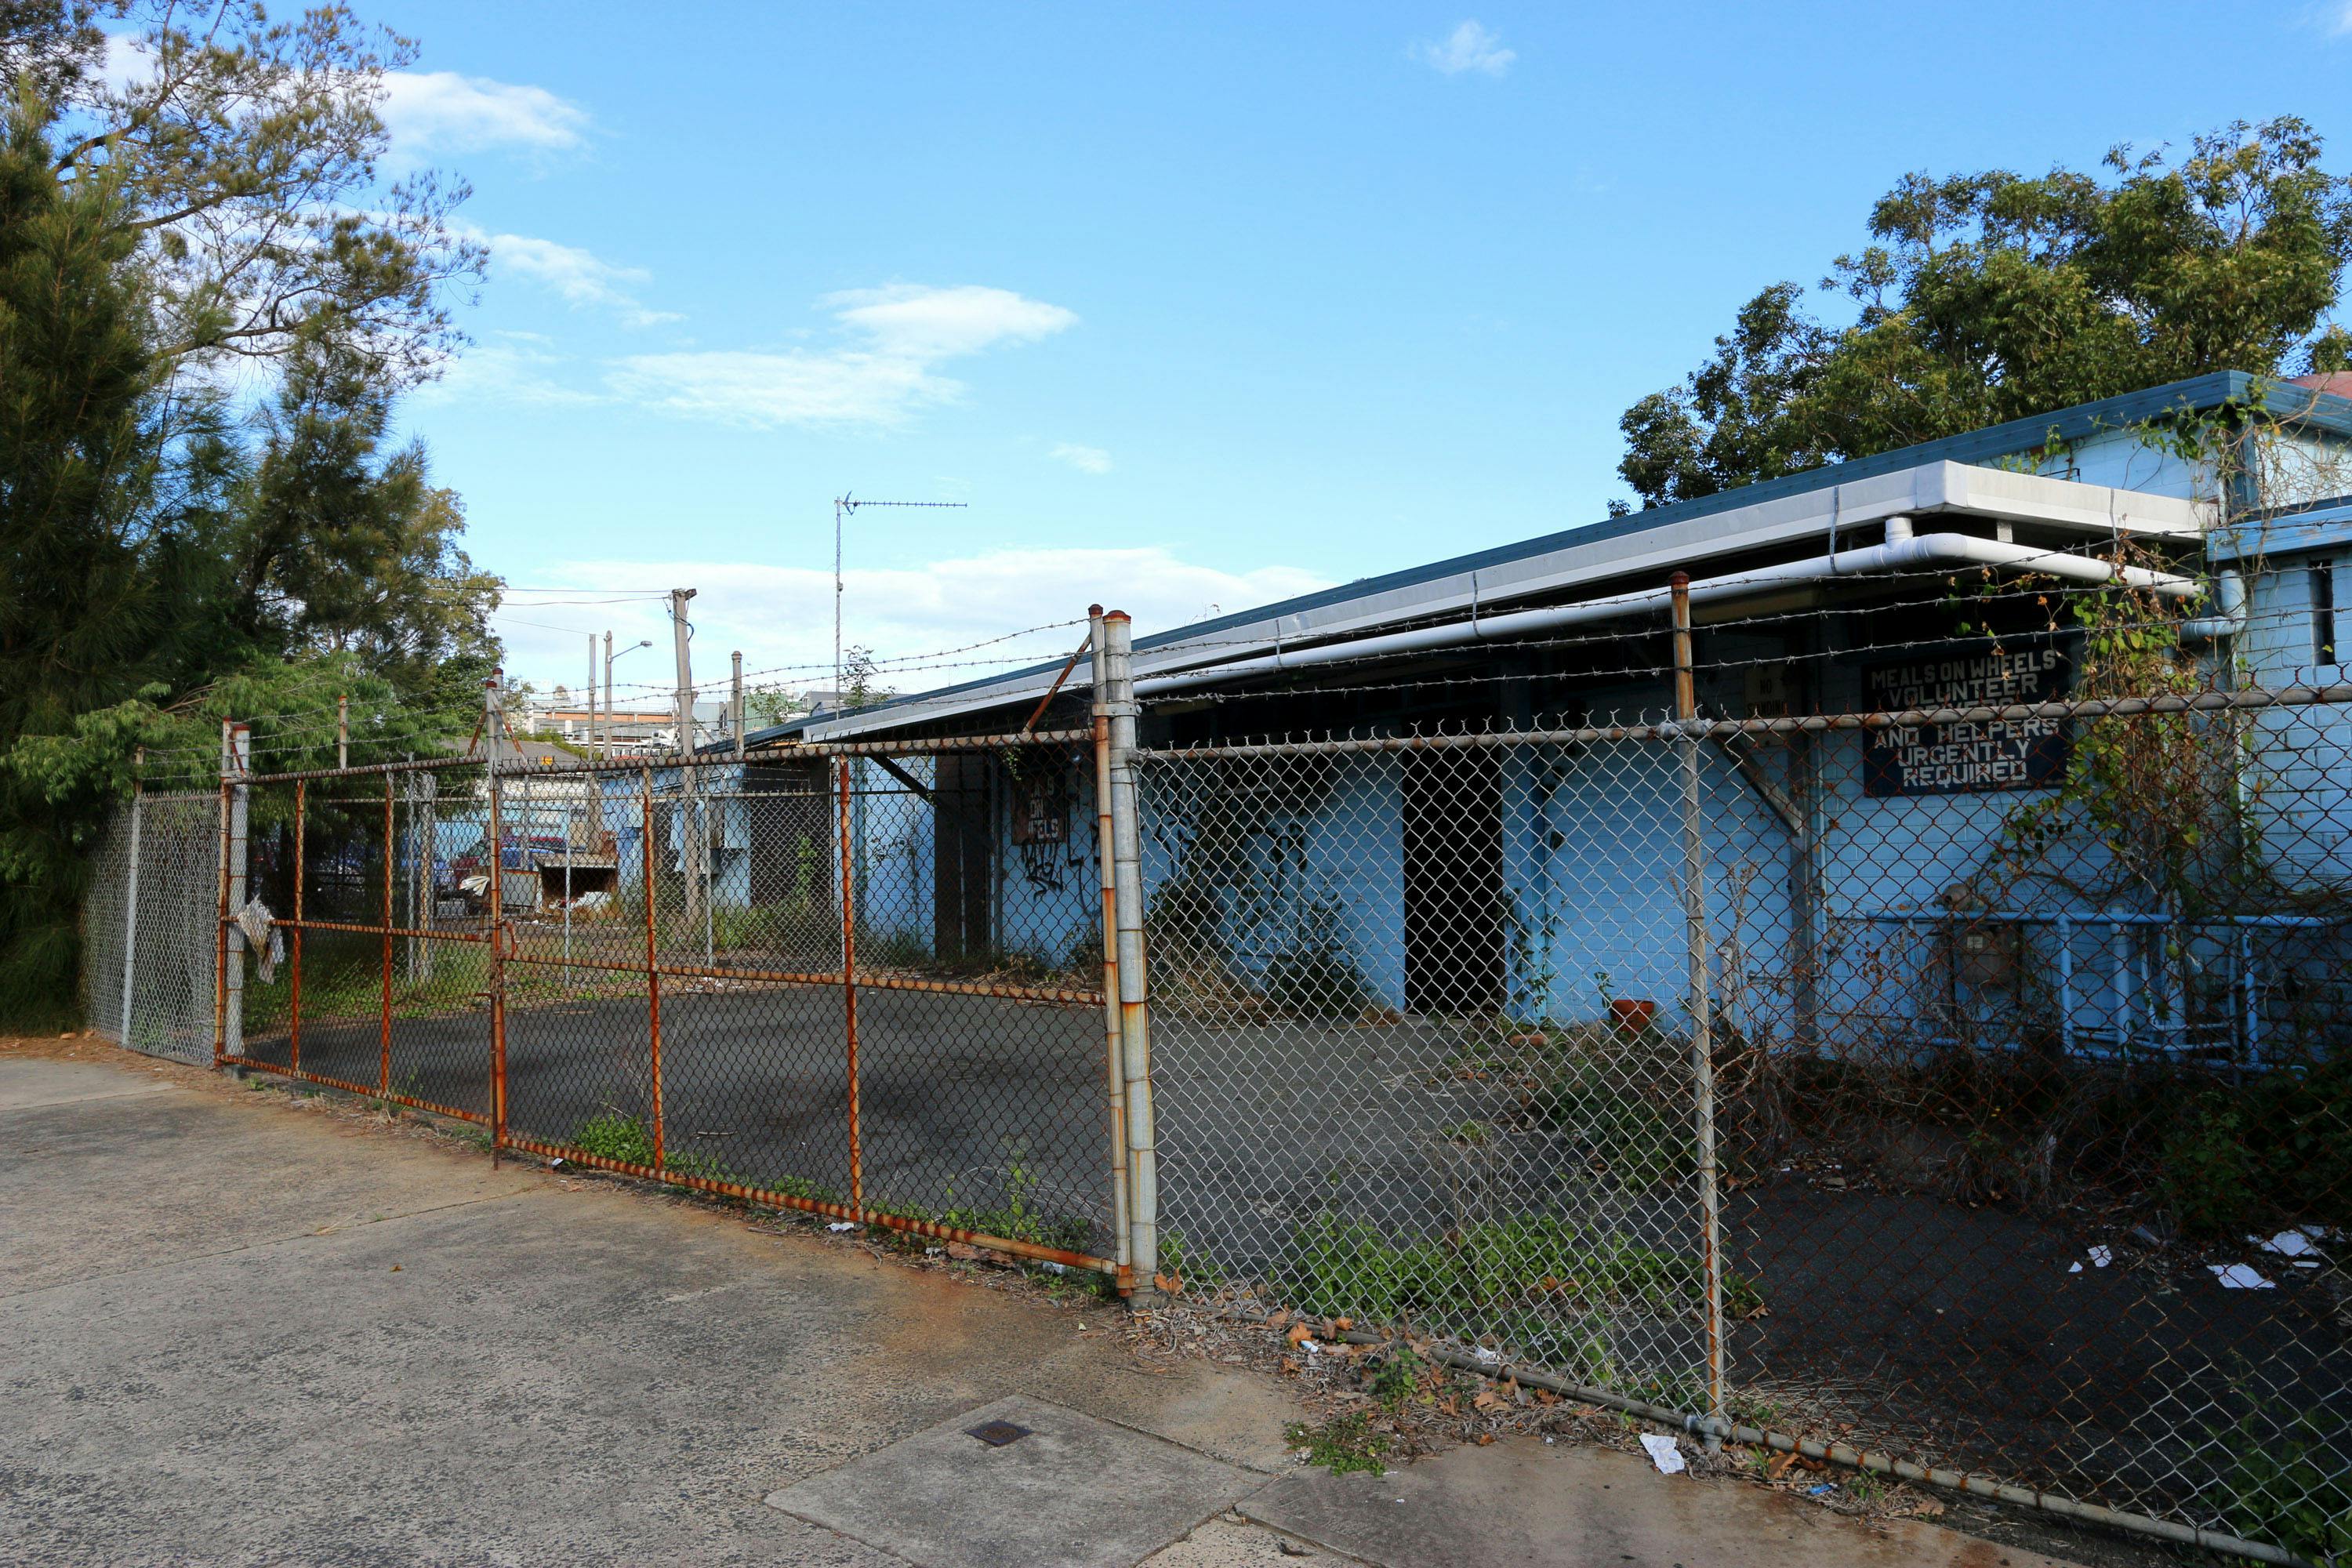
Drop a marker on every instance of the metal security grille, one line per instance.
(863, 980)
(1711, 1069)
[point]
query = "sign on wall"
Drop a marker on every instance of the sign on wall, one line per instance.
(1979, 754)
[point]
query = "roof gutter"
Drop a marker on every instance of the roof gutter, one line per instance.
(1903, 551)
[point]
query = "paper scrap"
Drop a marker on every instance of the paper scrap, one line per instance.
(2238, 1277)
(2296, 1244)
(840, 1224)
(1663, 1454)
(2101, 1256)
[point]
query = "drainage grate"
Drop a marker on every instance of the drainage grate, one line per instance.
(996, 1434)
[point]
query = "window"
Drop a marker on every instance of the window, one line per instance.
(2323, 612)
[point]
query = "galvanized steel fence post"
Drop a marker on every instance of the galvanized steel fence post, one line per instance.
(1115, 1042)
(1700, 1003)
(849, 984)
(228, 1008)
(131, 917)
(1134, 1004)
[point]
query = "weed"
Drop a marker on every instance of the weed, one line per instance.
(1185, 1259)
(1865, 1487)
(1343, 1444)
(2287, 1485)
(1398, 1377)
(613, 1135)
(1625, 1135)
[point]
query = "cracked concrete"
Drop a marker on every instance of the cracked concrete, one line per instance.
(240, 1331)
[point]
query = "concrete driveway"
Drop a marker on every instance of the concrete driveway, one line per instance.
(244, 1328)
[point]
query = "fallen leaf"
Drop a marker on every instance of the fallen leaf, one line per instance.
(1172, 1283)
(1484, 1438)
(1299, 1333)
(1490, 1400)
(1778, 1466)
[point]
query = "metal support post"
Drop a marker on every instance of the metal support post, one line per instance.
(495, 917)
(236, 753)
(343, 730)
(694, 848)
(1117, 651)
(735, 705)
(652, 961)
(1700, 1003)
(131, 914)
(849, 984)
(294, 975)
(1114, 1041)
(391, 864)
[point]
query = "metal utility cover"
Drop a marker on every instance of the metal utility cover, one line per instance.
(941, 1501)
(996, 1434)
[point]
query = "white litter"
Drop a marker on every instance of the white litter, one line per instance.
(1663, 1454)
(843, 1225)
(2297, 1245)
(1488, 1357)
(2074, 1268)
(2238, 1277)
(2101, 1256)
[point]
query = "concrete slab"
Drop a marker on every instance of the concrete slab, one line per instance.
(1538, 1505)
(1074, 1491)
(29, 1082)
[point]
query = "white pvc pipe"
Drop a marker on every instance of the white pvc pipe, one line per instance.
(2230, 617)
(1903, 551)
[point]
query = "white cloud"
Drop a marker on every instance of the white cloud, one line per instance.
(1469, 48)
(1086, 460)
(2337, 18)
(907, 321)
(576, 275)
(511, 369)
(442, 111)
(781, 615)
(900, 335)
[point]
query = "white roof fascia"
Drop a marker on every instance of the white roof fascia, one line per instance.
(1930, 488)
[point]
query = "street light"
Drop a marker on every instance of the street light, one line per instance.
(609, 656)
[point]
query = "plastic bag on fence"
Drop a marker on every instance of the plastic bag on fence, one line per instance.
(267, 942)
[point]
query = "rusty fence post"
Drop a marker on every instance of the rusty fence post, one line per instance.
(1700, 1002)
(849, 986)
(1114, 1036)
(653, 957)
(494, 918)
(1134, 1001)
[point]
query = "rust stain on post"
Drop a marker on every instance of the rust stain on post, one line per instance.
(849, 990)
(1114, 1031)
(220, 937)
(652, 965)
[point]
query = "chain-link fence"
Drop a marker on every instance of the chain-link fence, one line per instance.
(1999, 1132)
(865, 980)
(149, 928)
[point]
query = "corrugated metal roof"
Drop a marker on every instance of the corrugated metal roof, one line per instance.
(2196, 395)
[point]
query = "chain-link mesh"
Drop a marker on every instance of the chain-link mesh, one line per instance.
(2032, 1119)
(148, 926)
(871, 985)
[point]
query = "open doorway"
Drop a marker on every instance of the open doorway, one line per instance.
(1453, 881)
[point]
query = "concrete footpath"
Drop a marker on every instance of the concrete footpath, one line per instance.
(241, 1330)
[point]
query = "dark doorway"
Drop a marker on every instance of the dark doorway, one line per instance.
(1454, 881)
(963, 808)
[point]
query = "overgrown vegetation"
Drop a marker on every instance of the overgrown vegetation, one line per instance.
(1337, 1266)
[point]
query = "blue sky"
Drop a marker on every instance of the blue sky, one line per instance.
(1195, 305)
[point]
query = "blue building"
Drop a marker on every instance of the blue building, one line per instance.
(1856, 882)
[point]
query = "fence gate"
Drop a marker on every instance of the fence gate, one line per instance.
(865, 981)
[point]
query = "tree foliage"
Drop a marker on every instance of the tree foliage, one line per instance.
(209, 302)
(1989, 296)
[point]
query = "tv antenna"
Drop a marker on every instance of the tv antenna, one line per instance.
(845, 505)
